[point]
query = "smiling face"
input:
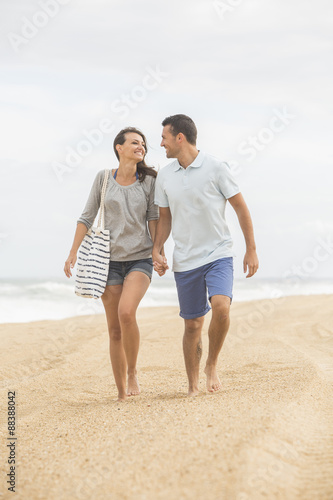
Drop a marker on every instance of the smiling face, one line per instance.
(134, 147)
(170, 142)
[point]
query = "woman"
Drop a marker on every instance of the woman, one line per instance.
(129, 206)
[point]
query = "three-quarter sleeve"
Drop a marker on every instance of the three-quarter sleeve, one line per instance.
(92, 206)
(152, 209)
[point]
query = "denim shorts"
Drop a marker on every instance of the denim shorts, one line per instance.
(216, 278)
(119, 270)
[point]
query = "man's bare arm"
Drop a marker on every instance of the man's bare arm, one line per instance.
(161, 235)
(250, 262)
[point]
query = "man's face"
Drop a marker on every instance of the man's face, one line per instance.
(169, 142)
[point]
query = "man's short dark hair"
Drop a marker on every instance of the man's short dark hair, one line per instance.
(182, 124)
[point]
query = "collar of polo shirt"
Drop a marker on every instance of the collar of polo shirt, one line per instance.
(196, 163)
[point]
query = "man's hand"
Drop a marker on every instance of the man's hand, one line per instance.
(160, 263)
(162, 233)
(250, 263)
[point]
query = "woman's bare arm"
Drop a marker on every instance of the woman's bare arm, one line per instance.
(81, 231)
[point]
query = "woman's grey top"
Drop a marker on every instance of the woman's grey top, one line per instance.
(127, 210)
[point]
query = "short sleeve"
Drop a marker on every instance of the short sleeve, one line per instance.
(226, 182)
(152, 209)
(92, 206)
(161, 198)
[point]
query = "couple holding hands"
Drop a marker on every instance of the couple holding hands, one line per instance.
(187, 197)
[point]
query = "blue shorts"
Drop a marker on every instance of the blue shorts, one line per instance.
(192, 286)
(119, 270)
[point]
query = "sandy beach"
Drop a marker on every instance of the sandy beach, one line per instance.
(268, 434)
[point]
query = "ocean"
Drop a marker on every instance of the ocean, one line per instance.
(34, 300)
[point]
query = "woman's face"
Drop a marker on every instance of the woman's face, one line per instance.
(134, 147)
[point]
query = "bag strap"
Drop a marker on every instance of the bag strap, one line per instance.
(100, 224)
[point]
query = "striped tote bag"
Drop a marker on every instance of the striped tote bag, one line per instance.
(94, 256)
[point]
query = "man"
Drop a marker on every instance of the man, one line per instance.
(192, 193)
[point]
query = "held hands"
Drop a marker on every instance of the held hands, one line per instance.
(160, 263)
(69, 264)
(250, 263)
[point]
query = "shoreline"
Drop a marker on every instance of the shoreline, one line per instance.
(148, 307)
(42, 300)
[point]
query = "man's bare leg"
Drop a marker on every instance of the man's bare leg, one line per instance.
(192, 348)
(217, 332)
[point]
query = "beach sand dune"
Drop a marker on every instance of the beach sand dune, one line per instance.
(268, 434)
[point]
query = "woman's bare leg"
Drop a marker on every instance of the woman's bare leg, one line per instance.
(110, 299)
(135, 286)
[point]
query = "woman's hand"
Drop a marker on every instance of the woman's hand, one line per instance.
(81, 231)
(160, 263)
(69, 264)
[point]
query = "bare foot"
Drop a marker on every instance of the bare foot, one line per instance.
(213, 381)
(121, 397)
(133, 388)
(193, 390)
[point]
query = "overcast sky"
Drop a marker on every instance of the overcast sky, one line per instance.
(255, 75)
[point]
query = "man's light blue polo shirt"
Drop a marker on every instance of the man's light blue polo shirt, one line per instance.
(197, 198)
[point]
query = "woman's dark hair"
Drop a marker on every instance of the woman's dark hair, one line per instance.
(141, 166)
(182, 124)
